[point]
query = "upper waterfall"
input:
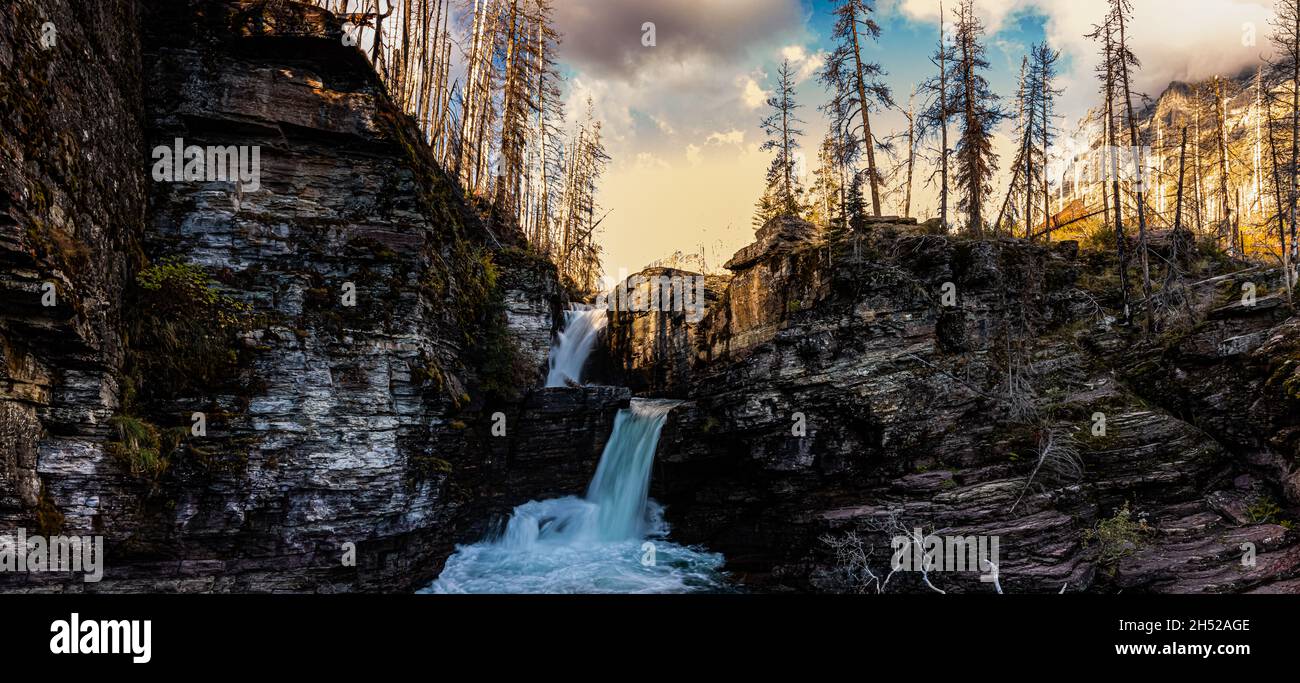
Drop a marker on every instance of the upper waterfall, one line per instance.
(573, 345)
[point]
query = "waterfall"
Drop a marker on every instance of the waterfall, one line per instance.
(622, 482)
(594, 544)
(573, 344)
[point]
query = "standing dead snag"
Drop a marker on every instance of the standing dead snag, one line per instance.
(911, 151)
(1178, 212)
(498, 128)
(1283, 72)
(935, 114)
(1108, 73)
(856, 84)
(1225, 229)
(1121, 11)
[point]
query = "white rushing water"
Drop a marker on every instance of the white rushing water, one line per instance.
(611, 541)
(574, 343)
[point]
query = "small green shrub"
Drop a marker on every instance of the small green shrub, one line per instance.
(142, 447)
(1264, 510)
(425, 466)
(1118, 536)
(182, 333)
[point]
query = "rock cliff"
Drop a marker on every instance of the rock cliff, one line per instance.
(356, 343)
(837, 393)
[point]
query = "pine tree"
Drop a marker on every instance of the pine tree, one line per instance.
(781, 129)
(1022, 168)
(1043, 67)
(826, 192)
(766, 208)
(978, 112)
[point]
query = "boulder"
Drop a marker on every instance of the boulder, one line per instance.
(779, 235)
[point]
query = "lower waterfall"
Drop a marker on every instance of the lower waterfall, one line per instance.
(613, 540)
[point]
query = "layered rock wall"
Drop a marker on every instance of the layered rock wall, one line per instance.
(876, 405)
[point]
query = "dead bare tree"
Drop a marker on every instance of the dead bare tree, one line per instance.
(1057, 455)
(1121, 11)
(1108, 73)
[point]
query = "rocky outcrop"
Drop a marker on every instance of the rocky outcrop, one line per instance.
(532, 298)
(1236, 372)
(779, 235)
(649, 342)
(358, 343)
(877, 403)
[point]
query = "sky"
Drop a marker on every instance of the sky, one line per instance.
(681, 117)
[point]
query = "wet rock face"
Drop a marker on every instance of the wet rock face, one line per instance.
(555, 440)
(72, 199)
(532, 299)
(873, 407)
(386, 331)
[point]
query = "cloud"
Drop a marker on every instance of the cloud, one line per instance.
(810, 66)
(694, 155)
(603, 37)
(805, 64)
(703, 84)
(731, 137)
(663, 125)
(752, 93)
(794, 53)
(1176, 40)
(705, 72)
(649, 160)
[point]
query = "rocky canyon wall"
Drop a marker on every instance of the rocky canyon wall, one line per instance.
(836, 393)
(243, 380)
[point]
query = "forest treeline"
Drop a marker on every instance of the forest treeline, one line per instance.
(1176, 176)
(480, 78)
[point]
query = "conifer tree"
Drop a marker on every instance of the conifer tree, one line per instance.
(932, 121)
(978, 111)
(783, 133)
